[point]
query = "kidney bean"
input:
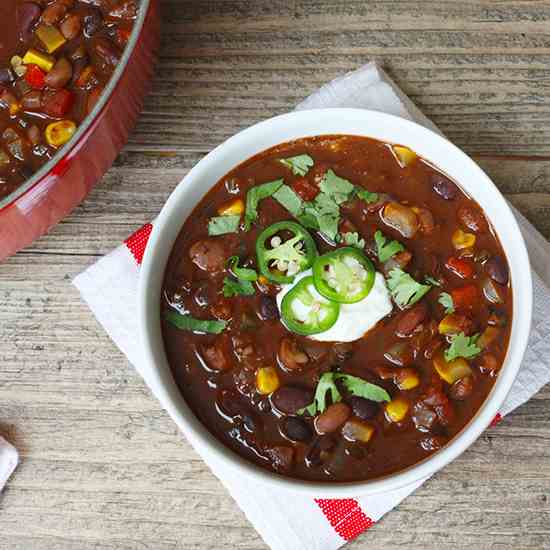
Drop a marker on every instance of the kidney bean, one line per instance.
(461, 389)
(332, 418)
(281, 457)
(209, 255)
(363, 408)
(34, 134)
(409, 320)
(444, 187)
(268, 308)
(497, 269)
(473, 219)
(54, 13)
(426, 219)
(27, 15)
(290, 399)
(71, 26)
(296, 429)
(215, 356)
(60, 75)
(400, 354)
(423, 417)
(106, 51)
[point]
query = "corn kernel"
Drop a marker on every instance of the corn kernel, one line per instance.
(487, 337)
(58, 133)
(43, 60)
(51, 37)
(404, 155)
(15, 107)
(407, 379)
(232, 208)
(267, 380)
(356, 429)
(451, 324)
(453, 371)
(396, 409)
(463, 240)
(263, 280)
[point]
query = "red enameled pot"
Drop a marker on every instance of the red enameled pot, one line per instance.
(64, 182)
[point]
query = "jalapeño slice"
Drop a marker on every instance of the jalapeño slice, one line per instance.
(281, 258)
(304, 311)
(344, 275)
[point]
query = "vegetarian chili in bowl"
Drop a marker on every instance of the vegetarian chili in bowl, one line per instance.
(336, 309)
(56, 58)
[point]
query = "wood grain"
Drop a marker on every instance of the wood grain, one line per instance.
(103, 467)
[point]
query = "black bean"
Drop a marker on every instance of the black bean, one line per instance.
(268, 308)
(92, 22)
(6, 76)
(290, 399)
(363, 408)
(445, 188)
(296, 429)
(497, 269)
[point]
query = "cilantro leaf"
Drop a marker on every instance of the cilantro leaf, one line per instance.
(220, 225)
(431, 281)
(299, 165)
(326, 384)
(446, 300)
(289, 199)
(253, 198)
(237, 287)
(242, 273)
(353, 239)
(365, 195)
(404, 289)
(355, 385)
(386, 249)
(186, 322)
(462, 346)
(361, 388)
(337, 188)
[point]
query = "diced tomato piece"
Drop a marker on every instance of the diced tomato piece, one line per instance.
(307, 191)
(123, 35)
(465, 297)
(59, 104)
(35, 77)
(459, 266)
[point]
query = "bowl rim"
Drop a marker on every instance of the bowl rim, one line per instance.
(87, 123)
(217, 455)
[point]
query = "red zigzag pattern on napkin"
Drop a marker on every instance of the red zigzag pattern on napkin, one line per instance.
(344, 514)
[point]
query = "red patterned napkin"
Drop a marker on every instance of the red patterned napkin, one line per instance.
(287, 521)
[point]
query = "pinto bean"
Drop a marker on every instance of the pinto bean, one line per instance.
(332, 418)
(290, 399)
(473, 219)
(409, 320)
(291, 355)
(401, 218)
(209, 255)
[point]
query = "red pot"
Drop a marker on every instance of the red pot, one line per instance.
(62, 184)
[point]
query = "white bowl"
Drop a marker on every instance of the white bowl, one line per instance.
(256, 139)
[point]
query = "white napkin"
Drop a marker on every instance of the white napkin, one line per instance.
(8, 461)
(288, 521)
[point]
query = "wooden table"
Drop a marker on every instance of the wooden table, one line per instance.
(103, 467)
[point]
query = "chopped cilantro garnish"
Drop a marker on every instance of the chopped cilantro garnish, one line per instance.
(355, 385)
(289, 199)
(254, 196)
(404, 289)
(299, 165)
(462, 346)
(186, 322)
(234, 287)
(220, 225)
(386, 249)
(353, 239)
(244, 273)
(446, 300)
(365, 195)
(336, 187)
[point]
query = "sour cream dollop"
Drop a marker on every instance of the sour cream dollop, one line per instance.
(354, 319)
